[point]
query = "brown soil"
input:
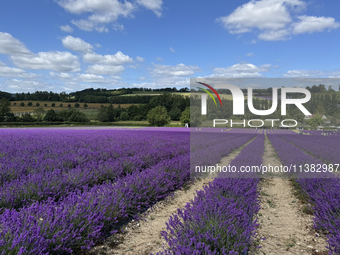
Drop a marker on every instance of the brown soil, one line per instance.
(286, 229)
(143, 237)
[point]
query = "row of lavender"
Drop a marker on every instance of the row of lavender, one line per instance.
(82, 215)
(41, 164)
(220, 219)
(322, 188)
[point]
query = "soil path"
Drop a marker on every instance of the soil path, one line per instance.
(143, 237)
(286, 229)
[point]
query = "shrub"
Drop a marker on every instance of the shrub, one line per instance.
(51, 116)
(27, 118)
(78, 116)
(37, 104)
(53, 104)
(185, 117)
(158, 116)
(76, 105)
(45, 105)
(137, 118)
(85, 105)
(69, 105)
(124, 116)
(22, 104)
(61, 105)
(29, 104)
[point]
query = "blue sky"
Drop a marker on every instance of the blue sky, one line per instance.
(69, 45)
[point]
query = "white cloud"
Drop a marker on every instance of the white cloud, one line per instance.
(105, 69)
(240, 70)
(275, 35)
(273, 19)
(311, 24)
(106, 11)
(103, 11)
(18, 85)
(250, 54)
(112, 8)
(88, 77)
(62, 76)
(178, 70)
(312, 74)
(25, 59)
(98, 45)
(117, 27)
(66, 28)
(6, 71)
(54, 60)
(153, 5)
(89, 26)
(101, 29)
(159, 59)
(118, 59)
(74, 86)
(92, 78)
(263, 15)
(76, 44)
(171, 49)
(303, 73)
(140, 59)
(10, 45)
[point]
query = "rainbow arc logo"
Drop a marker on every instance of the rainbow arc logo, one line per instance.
(208, 92)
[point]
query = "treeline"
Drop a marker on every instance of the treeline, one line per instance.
(174, 105)
(116, 100)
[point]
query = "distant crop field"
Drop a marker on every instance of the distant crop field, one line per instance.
(17, 108)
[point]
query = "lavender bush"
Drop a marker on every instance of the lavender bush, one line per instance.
(220, 219)
(323, 189)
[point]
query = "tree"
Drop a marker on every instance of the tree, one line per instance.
(45, 105)
(124, 116)
(320, 109)
(85, 105)
(5, 108)
(22, 104)
(195, 116)
(315, 121)
(78, 116)
(61, 105)
(175, 113)
(29, 104)
(51, 116)
(76, 105)
(39, 113)
(27, 118)
(185, 117)
(158, 116)
(102, 115)
(53, 104)
(37, 104)
(69, 105)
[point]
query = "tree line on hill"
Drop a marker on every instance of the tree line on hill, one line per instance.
(168, 106)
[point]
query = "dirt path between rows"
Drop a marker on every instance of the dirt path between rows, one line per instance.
(286, 229)
(143, 237)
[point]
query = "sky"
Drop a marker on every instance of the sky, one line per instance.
(70, 45)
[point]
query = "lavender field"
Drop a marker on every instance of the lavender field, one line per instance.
(63, 191)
